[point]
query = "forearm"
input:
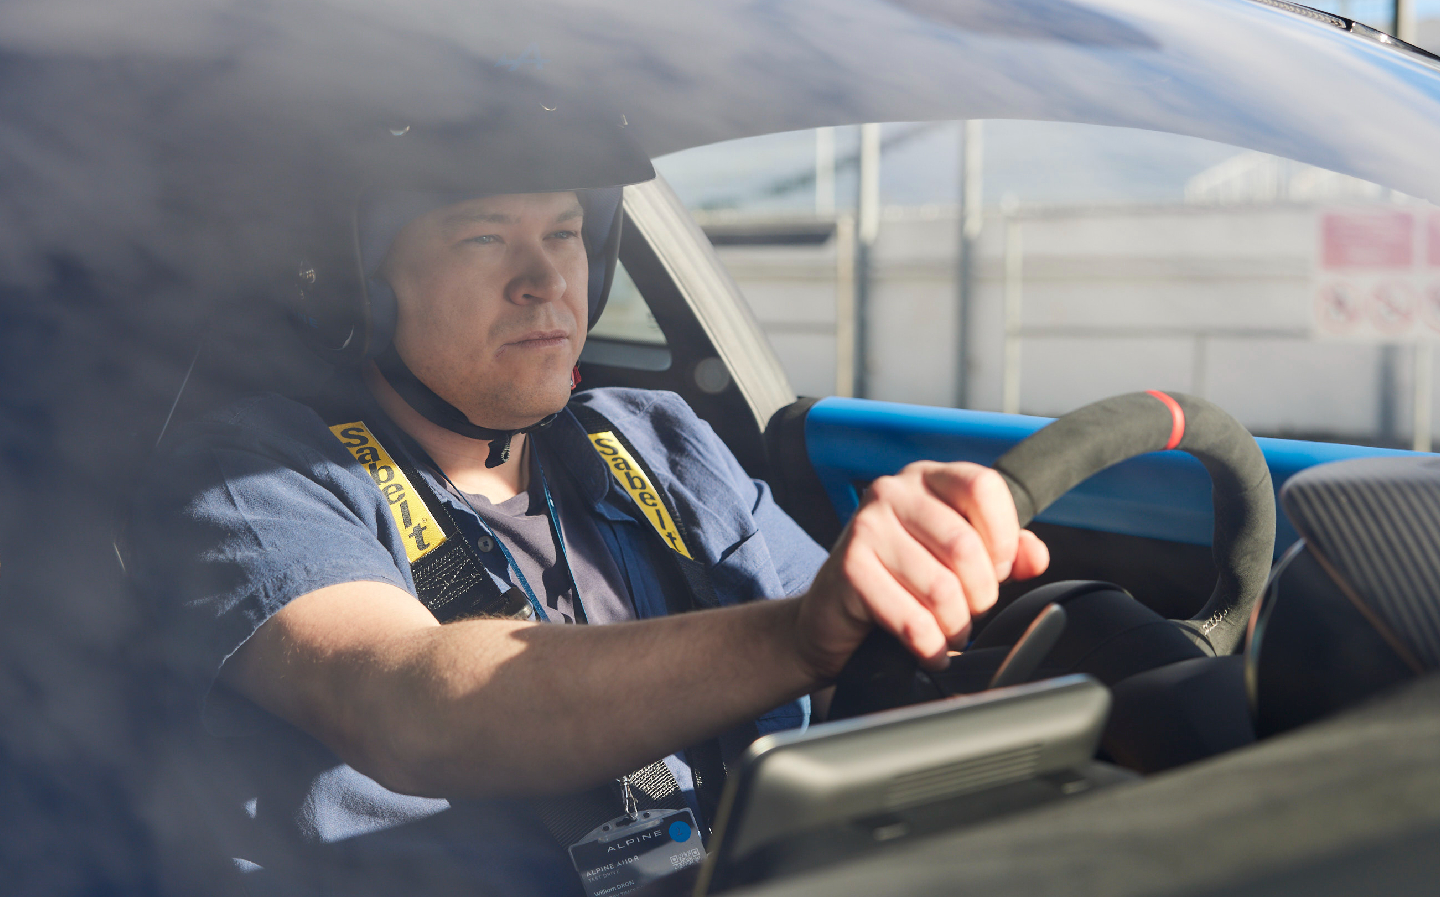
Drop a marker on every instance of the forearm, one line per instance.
(491, 707)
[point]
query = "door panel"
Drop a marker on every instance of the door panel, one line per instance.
(1144, 524)
(1163, 495)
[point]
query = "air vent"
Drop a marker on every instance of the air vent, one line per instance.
(808, 233)
(964, 776)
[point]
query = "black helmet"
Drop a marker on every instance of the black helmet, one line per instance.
(347, 314)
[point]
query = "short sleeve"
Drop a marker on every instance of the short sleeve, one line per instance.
(795, 555)
(245, 513)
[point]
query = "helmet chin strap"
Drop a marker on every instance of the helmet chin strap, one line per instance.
(441, 413)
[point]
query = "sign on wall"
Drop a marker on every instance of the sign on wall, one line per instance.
(1377, 274)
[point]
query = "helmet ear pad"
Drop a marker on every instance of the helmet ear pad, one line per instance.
(331, 312)
(604, 216)
(604, 213)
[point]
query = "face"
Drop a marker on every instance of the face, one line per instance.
(493, 303)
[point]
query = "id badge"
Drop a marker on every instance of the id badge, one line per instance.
(628, 852)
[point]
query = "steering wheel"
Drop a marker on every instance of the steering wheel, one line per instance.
(1109, 633)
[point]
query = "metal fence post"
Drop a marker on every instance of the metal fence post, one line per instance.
(867, 229)
(845, 305)
(1404, 20)
(1014, 285)
(971, 216)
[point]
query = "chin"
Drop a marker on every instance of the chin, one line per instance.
(520, 407)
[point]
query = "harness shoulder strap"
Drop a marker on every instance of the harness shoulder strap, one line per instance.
(449, 578)
(655, 505)
(652, 502)
(453, 583)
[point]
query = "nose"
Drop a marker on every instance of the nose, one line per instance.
(537, 278)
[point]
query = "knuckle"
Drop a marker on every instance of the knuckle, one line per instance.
(866, 525)
(886, 488)
(852, 564)
(963, 544)
(915, 625)
(943, 593)
(919, 468)
(990, 484)
(952, 479)
(857, 569)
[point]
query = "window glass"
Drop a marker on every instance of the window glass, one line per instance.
(626, 317)
(1098, 260)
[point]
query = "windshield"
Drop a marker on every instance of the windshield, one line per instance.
(1098, 260)
(1065, 199)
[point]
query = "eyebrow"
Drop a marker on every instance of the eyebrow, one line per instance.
(477, 217)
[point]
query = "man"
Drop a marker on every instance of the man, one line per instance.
(446, 734)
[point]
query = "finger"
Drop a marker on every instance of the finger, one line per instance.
(940, 588)
(981, 496)
(952, 542)
(1032, 558)
(895, 610)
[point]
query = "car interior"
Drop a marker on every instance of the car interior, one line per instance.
(1225, 683)
(1167, 708)
(1178, 707)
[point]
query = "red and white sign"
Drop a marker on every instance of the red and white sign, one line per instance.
(1379, 238)
(1377, 274)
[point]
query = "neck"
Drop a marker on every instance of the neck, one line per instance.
(461, 458)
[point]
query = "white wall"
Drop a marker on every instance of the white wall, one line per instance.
(1213, 301)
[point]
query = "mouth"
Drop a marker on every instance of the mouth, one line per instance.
(540, 339)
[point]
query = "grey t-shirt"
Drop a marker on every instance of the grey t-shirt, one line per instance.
(523, 525)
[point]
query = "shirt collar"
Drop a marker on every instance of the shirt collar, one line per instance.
(565, 440)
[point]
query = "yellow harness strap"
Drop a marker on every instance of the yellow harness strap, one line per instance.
(421, 532)
(633, 479)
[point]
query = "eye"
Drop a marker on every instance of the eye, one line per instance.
(484, 239)
(566, 234)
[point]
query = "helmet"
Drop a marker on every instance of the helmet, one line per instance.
(347, 314)
(380, 214)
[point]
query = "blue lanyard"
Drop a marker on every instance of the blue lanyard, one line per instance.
(514, 568)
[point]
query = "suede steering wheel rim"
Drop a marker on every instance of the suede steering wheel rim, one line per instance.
(1053, 460)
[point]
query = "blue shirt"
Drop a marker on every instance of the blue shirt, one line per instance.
(257, 505)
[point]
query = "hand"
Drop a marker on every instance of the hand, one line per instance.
(925, 553)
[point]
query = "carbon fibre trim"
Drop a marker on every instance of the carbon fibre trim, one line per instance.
(1374, 523)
